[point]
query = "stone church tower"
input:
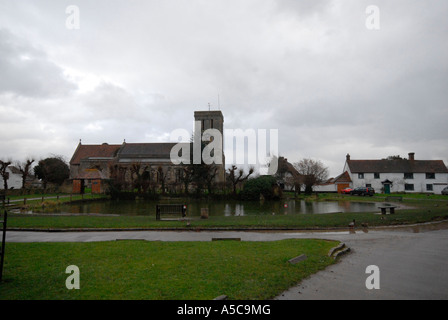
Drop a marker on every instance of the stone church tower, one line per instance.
(213, 120)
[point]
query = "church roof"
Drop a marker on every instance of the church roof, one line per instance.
(147, 150)
(85, 151)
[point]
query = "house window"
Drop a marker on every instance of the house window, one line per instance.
(430, 176)
(409, 187)
(360, 175)
(409, 175)
(211, 123)
(376, 175)
(429, 187)
(368, 185)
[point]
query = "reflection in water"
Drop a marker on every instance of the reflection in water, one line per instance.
(223, 208)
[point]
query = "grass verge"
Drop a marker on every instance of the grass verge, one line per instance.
(160, 270)
(423, 213)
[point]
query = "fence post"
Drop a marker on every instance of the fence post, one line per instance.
(157, 212)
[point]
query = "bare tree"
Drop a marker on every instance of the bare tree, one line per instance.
(210, 177)
(314, 172)
(117, 177)
(5, 174)
(162, 175)
(186, 177)
(24, 168)
(237, 176)
(138, 175)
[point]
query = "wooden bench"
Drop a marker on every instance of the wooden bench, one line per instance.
(384, 209)
(392, 198)
(176, 209)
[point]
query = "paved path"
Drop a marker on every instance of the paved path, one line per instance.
(413, 261)
(411, 266)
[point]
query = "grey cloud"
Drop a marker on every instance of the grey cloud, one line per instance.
(308, 68)
(27, 71)
(303, 8)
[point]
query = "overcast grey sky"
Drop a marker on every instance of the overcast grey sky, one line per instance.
(137, 70)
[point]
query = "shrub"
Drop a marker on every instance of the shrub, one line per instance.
(265, 186)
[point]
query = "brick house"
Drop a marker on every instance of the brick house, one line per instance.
(89, 166)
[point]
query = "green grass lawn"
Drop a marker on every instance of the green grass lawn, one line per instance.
(160, 270)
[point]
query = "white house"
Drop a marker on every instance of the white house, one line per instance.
(399, 175)
(15, 178)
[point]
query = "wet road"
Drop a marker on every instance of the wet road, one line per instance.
(412, 266)
(412, 261)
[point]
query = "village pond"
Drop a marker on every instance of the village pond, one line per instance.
(216, 207)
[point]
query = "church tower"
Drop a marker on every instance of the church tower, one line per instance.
(213, 120)
(210, 120)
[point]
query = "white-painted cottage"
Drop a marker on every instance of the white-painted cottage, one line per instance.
(399, 175)
(15, 178)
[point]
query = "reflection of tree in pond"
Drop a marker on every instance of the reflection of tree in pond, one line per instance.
(344, 205)
(222, 208)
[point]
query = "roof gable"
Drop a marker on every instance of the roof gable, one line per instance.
(94, 151)
(343, 177)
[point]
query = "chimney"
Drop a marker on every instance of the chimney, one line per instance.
(347, 157)
(411, 156)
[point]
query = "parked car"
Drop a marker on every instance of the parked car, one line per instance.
(445, 191)
(363, 191)
(346, 190)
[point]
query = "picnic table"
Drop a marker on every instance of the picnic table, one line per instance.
(384, 209)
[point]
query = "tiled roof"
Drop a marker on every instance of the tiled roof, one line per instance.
(90, 175)
(397, 166)
(94, 151)
(344, 177)
(288, 167)
(147, 150)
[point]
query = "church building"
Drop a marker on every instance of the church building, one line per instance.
(92, 165)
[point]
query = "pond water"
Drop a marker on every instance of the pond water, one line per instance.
(221, 207)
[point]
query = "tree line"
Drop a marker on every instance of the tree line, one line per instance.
(192, 179)
(53, 170)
